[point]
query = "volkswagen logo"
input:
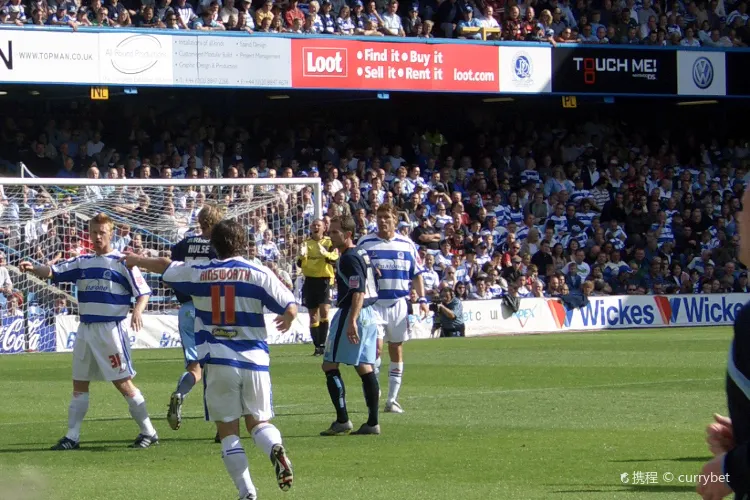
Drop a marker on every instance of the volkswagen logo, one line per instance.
(522, 66)
(703, 73)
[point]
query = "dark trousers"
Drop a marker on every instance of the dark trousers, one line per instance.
(459, 331)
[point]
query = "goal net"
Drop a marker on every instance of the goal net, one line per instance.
(45, 221)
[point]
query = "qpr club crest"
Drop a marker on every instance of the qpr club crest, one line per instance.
(703, 73)
(522, 68)
(107, 275)
(400, 255)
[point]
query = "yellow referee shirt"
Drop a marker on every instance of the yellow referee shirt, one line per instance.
(317, 258)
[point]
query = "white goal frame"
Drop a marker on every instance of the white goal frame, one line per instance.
(22, 338)
(315, 182)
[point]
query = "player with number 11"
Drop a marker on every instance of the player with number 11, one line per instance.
(229, 294)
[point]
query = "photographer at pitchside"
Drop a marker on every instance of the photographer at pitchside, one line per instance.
(450, 313)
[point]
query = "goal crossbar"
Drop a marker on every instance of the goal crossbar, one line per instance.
(314, 182)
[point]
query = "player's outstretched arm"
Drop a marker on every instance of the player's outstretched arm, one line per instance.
(42, 272)
(151, 264)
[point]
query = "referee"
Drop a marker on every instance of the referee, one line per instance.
(729, 438)
(316, 260)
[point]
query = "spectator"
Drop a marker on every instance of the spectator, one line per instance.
(488, 20)
(13, 307)
(467, 24)
(481, 291)
(412, 23)
(328, 25)
(450, 314)
(430, 276)
(448, 15)
(6, 285)
(391, 21)
(268, 250)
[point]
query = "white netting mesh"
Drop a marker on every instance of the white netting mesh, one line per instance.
(49, 224)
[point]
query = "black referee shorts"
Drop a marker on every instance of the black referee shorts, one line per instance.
(316, 292)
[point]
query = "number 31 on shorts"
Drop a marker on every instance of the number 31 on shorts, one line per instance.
(115, 361)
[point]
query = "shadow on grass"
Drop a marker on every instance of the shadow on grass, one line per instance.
(701, 459)
(120, 444)
(89, 449)
(331, 414)
(203, 419)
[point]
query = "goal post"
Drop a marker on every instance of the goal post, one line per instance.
(45, 221)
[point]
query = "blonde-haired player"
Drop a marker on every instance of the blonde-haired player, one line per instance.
(102, 346)
(399, 269)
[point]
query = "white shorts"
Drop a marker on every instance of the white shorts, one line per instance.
(396, 320)
(102, 352)
(231, 393)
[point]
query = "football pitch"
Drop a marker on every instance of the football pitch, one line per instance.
(528, 417)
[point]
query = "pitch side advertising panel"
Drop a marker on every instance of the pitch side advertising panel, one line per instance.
(135, 59)
(584, 70)
(160, 331)
(645, 311)
(701, 73)
(48, 57)
(492, 317)
(525, 69)
(19, 334)
(142, 59)
(482, 317)
(738, 82)
(232, 61)
(354, 65)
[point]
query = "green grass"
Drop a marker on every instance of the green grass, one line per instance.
(528, 417)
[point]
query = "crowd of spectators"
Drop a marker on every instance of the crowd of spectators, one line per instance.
(520, 209)
(691, 23)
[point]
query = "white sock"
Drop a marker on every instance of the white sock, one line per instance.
(266, 436)
(79, 405)
(394, 381)
(235, 462)
(137, 406)
(376, 366)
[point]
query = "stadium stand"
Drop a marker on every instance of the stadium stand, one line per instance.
(647, 22)
(501, 204)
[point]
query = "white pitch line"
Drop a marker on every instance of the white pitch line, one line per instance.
(436, 396)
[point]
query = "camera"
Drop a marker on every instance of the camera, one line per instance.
(434, 303)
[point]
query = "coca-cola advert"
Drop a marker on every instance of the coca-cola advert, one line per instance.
(20, 334)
